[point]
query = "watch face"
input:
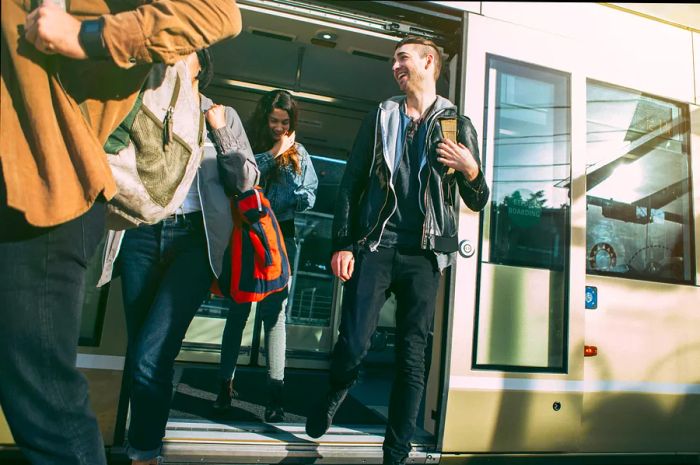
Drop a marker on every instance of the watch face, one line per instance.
(602, 257)
(91, 27)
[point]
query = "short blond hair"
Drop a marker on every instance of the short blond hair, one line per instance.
(427, 46)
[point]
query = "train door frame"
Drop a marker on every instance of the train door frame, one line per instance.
(473, 391)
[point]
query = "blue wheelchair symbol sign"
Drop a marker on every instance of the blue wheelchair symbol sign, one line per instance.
(591, 297)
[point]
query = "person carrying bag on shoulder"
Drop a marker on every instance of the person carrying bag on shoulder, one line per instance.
(166, 268)
(290, 184)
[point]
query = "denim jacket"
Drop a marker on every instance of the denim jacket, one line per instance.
(290, 192)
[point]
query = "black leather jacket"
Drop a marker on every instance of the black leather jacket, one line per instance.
(366, 197)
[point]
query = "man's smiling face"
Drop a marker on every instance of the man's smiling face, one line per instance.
(409, 68)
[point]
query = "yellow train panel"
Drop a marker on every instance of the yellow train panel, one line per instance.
(511, 421)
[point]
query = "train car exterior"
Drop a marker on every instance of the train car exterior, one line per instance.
(570, 324)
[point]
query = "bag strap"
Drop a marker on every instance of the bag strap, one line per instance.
(201, 129)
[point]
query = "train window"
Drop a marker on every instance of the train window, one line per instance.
(528, 147)
(638, 186)
(531, 168)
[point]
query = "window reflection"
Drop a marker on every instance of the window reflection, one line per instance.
(530, 203)
(638, 199)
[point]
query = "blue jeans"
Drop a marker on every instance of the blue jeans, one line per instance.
(165, 277)
(413, 276)
(42, 285)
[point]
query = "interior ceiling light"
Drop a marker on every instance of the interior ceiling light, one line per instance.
(260, 87)
(325, 35)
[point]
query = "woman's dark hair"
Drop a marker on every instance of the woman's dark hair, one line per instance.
(261, 136)
(207, 72)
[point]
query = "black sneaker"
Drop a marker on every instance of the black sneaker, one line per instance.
(226, 394)
(321, 418)
(274, 410)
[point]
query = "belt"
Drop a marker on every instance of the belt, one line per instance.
(189, 216)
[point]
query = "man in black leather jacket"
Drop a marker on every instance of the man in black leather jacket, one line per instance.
(395, 231)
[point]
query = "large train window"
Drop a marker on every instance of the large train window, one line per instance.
(522, 312)
(638, 186)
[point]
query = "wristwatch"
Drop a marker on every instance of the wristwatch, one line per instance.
(90, 38)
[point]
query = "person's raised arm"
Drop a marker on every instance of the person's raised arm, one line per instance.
(160, 31)
(470, 177)
(237, 167)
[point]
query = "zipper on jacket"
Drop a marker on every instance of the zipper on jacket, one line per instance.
(374, 247)
(425, 153)
(363, 241)
(424, 206)
(424, 239)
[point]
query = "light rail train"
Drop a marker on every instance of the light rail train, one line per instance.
(569, 329)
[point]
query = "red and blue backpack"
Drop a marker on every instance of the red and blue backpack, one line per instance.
(255, 262)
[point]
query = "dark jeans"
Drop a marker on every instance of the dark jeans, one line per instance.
(165, 277)
(413, 277)
(42, 285)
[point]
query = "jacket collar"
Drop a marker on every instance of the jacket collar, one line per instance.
(394, 104)
(389, 120)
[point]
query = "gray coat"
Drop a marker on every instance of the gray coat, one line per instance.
(228, 166)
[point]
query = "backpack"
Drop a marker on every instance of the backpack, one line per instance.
(155, 152)
(255, 262)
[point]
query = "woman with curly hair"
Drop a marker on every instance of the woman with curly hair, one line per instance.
(289, 182)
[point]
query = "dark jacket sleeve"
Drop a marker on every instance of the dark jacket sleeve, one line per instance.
(353, 184)
(474, 193)
(237, 166)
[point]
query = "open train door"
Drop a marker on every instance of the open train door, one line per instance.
(515, 336)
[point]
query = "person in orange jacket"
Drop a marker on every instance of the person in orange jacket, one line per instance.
(68, 79)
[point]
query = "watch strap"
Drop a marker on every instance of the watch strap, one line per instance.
(90, 38)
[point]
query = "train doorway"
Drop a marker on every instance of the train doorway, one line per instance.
(336, 60)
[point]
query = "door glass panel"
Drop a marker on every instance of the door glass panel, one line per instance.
(311, 301)
(311, 298)
(638, 189)
(530, 204)
(522, 302)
